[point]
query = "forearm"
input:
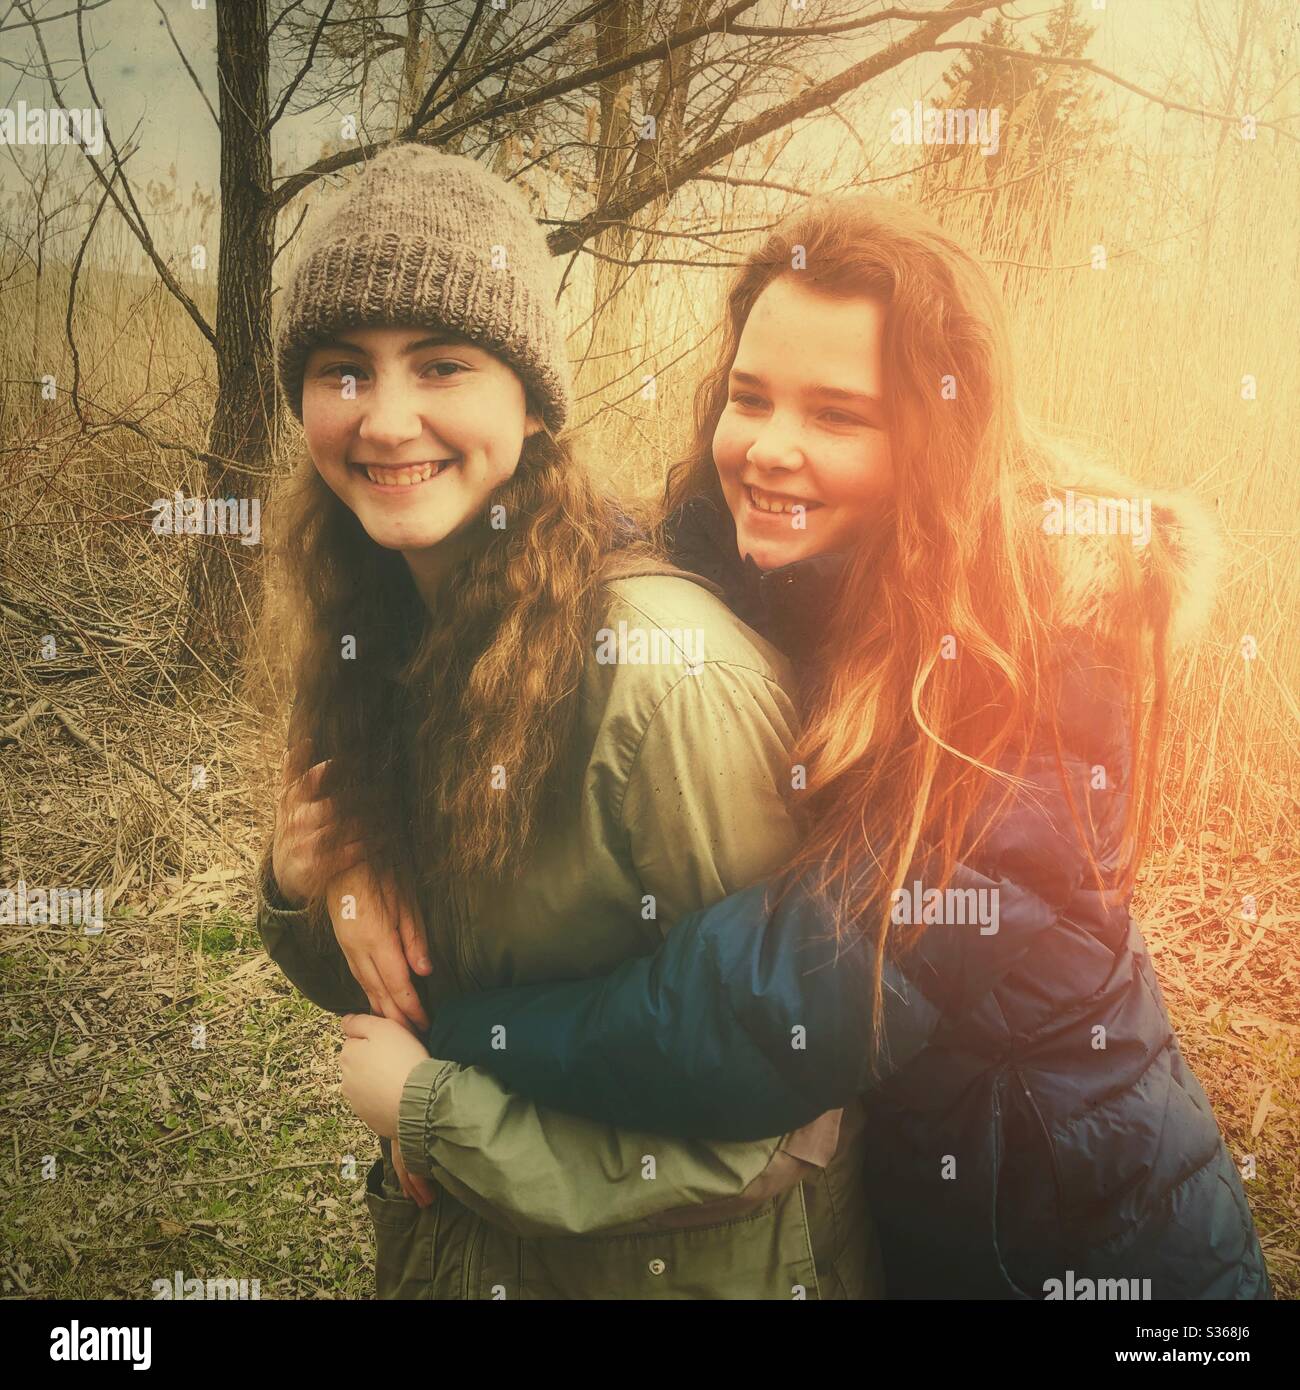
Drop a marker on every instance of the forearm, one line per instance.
(546, 1173)
(745, 1023)
(750, 1019)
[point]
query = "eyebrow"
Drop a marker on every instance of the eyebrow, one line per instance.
(834, 393)
(433, 340)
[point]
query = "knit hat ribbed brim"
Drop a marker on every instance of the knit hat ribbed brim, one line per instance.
(429, 239)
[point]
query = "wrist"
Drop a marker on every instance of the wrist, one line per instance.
(274, 892)
(416, 1122)
(287, 902)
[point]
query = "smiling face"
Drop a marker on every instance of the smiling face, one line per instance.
(431, 428)
(801, 448)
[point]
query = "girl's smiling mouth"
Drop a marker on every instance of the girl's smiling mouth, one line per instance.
(386, 475)
(776, 502)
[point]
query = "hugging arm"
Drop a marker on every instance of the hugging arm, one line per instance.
(535, 1172)
(532, 1171)
(700, 1038)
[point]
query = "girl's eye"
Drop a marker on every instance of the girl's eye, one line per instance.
(456, 368)
(342, 369)
(839, 417)
(751, 402)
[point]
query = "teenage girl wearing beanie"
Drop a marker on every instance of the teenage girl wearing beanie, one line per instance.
(548, 740)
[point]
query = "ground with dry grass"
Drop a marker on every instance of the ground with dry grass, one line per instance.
(176, 1105)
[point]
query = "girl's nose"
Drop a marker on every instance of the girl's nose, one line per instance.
(775, 446)
(388, 416)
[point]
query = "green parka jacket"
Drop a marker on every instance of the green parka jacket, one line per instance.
(684, 739)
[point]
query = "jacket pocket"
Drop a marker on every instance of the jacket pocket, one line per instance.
(766, 1254)
(1028, 1218)
(405, 1238)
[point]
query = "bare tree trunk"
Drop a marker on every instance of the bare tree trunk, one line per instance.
(223, 576)
(617, 32)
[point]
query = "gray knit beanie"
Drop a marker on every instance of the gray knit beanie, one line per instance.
(428, 238)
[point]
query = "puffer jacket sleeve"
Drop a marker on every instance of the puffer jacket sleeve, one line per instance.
(702, 809)
(699, 1039)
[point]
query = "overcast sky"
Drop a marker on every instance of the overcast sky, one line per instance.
(138, 74)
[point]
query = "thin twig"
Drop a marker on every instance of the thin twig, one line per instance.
(11, 732)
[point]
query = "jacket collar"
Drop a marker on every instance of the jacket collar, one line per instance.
(788, 606)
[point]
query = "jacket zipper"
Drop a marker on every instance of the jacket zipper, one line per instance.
(471, 1259)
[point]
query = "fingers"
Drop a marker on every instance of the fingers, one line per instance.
(294, 762)
(356, 1025)
(327, 859)
(390, 956)
(400, 1169)
(316, 863)
(309, 784)
(348, 856)
(300, 785)
(373, 949)
(375, 1007)
(415, 945)
(390, 962)
(307, 818)
(418, 1189)
(297, 759)
(377, 992)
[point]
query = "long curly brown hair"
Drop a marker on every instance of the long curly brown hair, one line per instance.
(445, 734)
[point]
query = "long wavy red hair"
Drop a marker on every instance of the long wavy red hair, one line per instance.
(902, 746)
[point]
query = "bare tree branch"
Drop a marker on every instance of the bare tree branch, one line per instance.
(147, 241)
(194, 77)
(601, 71)
(640, 192)
(275, 256)
(737, 182)
(28, 21)
(417, 120)
(844, 26)
(72, 303)
(116, 422)
(302, 71)
(138, 228)
(344, 159)
(281, 17)
(512, 59)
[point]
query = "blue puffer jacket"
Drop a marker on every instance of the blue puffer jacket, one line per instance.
(1032, 1119)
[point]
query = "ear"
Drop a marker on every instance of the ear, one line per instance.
(532, 425)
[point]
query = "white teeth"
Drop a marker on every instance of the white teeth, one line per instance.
(766, 502)
(403, 477)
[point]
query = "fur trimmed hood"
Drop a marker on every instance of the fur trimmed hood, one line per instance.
(1095, 515)
(1102, 522)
